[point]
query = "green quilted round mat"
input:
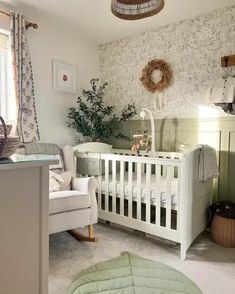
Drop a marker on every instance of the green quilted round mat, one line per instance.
(129, 274)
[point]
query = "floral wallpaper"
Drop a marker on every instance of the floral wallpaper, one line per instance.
(192, 47)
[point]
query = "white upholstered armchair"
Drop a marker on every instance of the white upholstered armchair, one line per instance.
(73, 205)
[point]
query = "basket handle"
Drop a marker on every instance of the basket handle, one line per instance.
(5, 132)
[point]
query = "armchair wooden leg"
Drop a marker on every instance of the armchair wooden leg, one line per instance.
(91, 231)
(81, 237)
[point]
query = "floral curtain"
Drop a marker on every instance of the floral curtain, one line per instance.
(27, 125)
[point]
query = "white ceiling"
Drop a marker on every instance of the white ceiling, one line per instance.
(94, 19)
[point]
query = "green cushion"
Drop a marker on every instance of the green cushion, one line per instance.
(130, 273)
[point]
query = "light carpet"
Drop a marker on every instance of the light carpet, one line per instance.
(210, 266)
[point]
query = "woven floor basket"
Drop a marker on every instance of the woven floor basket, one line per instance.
(223, 231)
(8, 145)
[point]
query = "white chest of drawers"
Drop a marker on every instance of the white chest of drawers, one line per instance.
(24, 227)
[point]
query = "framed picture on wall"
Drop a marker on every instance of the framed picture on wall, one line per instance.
(64, 77)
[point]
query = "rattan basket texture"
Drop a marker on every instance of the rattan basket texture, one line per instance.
(223, 231)
(136, 9)
(9, 128)
(8, 145)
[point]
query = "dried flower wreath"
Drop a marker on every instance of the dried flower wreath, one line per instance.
(166, 75)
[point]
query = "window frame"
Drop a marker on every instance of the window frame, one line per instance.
(7, 87)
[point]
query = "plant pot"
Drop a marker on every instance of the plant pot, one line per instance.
(93, 147)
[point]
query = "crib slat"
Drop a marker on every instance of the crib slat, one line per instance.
(122, 192)
(139, 190)
(158, 195)
(164, 168)
(179, 198)
(99, 179)
(114, 186)
(170, 174)
(130, 193)
(148, 192)
(106, 184)
(99, 190)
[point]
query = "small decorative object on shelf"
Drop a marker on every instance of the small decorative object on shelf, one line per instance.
(8, 145)
(92, 118)
(143, 142)
(166, 76)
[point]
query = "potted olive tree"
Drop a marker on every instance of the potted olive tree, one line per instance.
(95, 120)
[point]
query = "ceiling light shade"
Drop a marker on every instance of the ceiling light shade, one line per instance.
(136, 9)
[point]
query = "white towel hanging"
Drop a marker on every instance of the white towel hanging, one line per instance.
(223, 91)
(207, 164)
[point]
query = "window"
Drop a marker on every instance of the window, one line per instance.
(7, 88)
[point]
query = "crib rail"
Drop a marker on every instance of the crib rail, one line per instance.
(159, 154)
(137, 159)
(140, 192)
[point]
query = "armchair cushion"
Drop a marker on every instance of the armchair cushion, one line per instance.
(68, 157)
(67, 201)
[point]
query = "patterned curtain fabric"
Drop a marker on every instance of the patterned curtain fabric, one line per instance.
(27, 125)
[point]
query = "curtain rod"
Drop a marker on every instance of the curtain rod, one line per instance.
(27, 25)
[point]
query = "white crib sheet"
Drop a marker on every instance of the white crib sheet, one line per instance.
(153, 192)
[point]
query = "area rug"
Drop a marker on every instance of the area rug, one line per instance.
(132, 274)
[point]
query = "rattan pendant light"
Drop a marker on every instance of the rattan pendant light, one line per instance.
(136, 9)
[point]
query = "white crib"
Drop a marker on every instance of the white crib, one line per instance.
(161, 196)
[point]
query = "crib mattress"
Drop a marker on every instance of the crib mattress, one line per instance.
(144, 190)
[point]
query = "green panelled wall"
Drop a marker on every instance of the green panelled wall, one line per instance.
(170, 133)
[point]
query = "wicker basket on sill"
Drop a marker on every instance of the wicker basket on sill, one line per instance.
(9, 128)
(8, 145)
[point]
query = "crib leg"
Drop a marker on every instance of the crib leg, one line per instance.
(183, 252)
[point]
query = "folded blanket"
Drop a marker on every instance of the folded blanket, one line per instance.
(42, 148)
(44, 151)
(207, 164)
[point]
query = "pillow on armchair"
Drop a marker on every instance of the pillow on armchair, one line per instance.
(54, 181)
(66, 184)
(60, 181)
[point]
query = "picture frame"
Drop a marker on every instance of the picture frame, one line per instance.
(64, 77)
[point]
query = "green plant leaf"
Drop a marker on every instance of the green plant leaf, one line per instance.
(93, 118)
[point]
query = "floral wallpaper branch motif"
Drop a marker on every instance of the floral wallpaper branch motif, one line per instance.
(192, 47)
